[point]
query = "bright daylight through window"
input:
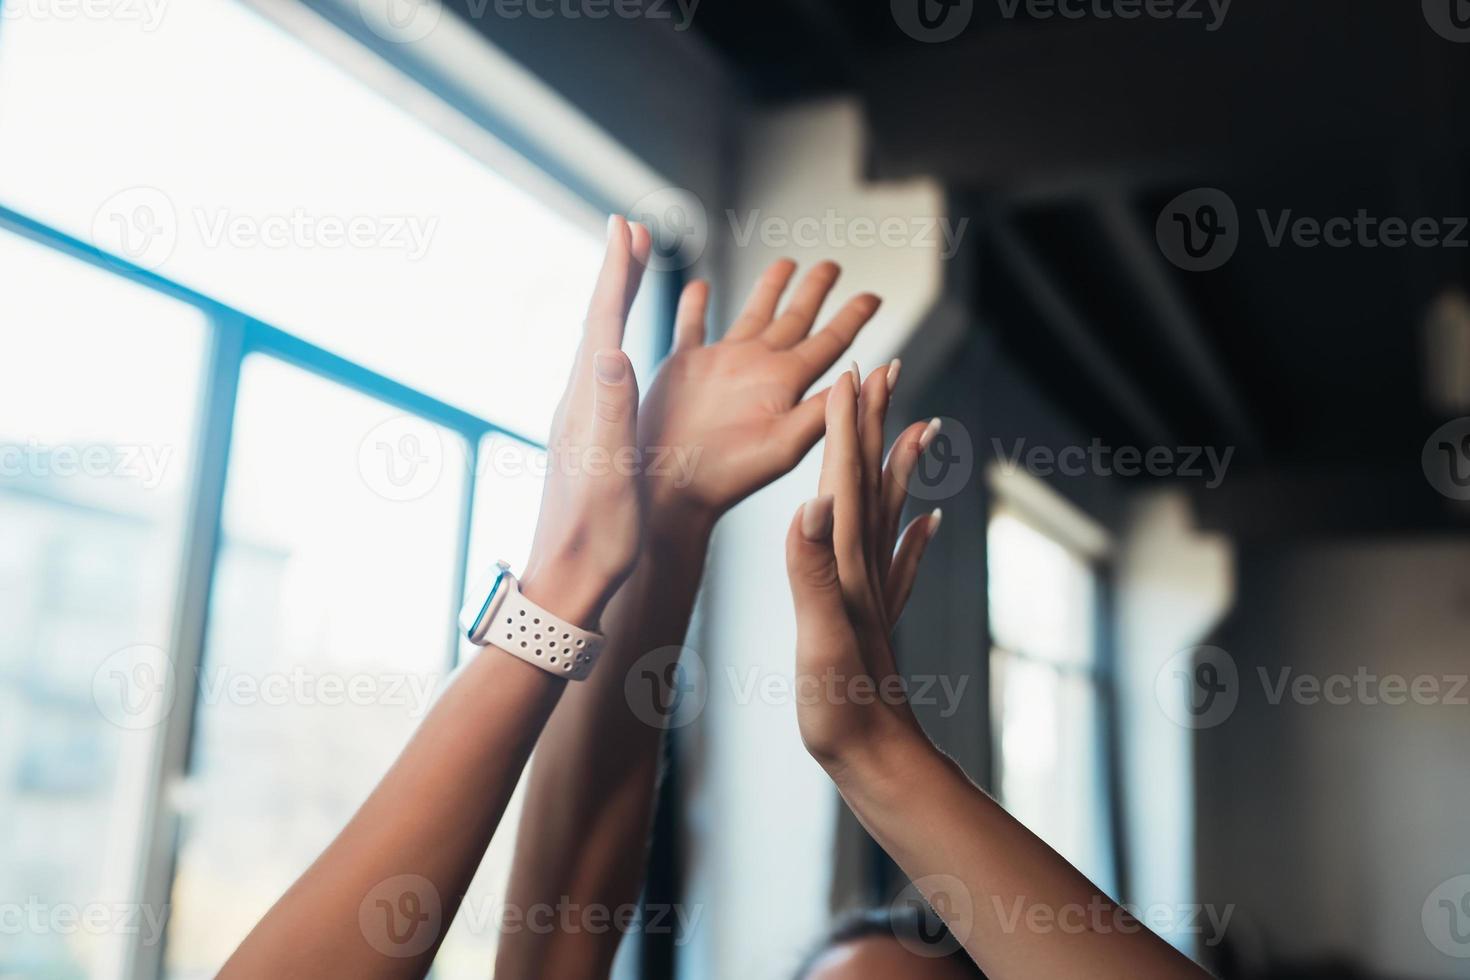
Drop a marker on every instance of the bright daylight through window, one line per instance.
(423, 286)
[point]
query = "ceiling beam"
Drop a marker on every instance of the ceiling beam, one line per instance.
(1129, 400)
(1183, 332)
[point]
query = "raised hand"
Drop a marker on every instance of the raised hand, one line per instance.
(589, 528)
(730, 415)
(849, 582)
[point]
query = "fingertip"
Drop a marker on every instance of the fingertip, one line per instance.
(617, 227)
(611, 367)
(816, 518)
(935, 516)
(930, 431)
(641, 241)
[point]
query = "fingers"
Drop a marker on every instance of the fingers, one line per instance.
(796, 320)
(842, 478)
(689, 320)
(801, 428)
(617, 283)
(822, 349)
(872, 410)
(640, 240)
(812, 566)
(615, 402)
(905, 568)
(903, 459)
(761, 306)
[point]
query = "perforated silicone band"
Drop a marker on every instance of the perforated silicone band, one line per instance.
(524, 629)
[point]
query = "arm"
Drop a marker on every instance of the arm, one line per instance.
(379, 899)
(726, 419)
(983, 872)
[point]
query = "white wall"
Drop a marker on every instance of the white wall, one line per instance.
(763, 814)
(1173, 585)
(1329, 824)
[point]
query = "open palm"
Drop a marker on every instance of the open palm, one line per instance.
(729, 417)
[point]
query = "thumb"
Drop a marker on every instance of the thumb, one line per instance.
(615, 402)
(812, 566)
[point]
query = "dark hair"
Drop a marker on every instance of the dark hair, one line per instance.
(908, 924)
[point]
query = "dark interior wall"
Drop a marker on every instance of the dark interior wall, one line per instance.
(1327, 824)
(649, 80)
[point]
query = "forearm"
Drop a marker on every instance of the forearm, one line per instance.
(590, 796)
(378, 900)
(1023, 911)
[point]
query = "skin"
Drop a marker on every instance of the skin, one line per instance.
(739, 404)
(379, 899)
(882, 958)
(1020, 910)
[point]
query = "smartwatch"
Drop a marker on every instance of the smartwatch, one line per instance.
(498, 614)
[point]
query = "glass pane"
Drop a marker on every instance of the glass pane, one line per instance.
(297, 194)
(1042, 594)
(97, 417)
(1051, 761)
(329, 633)
(507, 499)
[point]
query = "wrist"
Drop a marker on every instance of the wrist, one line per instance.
(883, 765)
(567, 592)
(679, 528)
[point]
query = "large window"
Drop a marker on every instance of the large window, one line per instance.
(246, 470)
(97, 404)
(1047, 685)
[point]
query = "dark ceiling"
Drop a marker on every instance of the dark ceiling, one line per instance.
(1064, 139)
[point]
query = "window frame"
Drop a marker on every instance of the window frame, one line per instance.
(1098, 673)
(231, 337)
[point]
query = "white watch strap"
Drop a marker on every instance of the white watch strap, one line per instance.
(523, 629)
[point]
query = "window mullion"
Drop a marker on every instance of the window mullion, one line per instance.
(154, 877)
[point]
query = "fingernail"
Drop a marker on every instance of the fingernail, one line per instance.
(935, 516)
(894, 366)
(930, 431)
(857, 376)
(612, 226)
(609, 368)
(816, 518)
